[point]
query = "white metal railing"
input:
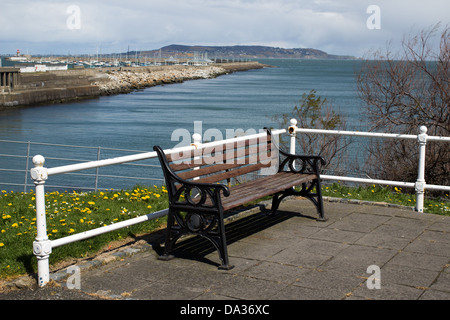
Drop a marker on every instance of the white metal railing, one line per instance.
(42, 246)
(419, 185)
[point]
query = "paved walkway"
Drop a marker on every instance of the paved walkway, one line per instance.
(288, 257)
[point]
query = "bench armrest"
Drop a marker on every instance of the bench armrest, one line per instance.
(189, 193)
(300, 163)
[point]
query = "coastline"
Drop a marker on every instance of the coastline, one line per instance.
(72, 85)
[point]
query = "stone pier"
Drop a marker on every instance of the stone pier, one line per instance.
(61, 86)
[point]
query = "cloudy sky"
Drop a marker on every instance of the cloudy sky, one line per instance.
(349, 27)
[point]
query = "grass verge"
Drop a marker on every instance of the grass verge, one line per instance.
(396, 195)
(70, 213)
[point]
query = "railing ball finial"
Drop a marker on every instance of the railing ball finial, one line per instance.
(38, 161)
(39, 173)
(423, 129)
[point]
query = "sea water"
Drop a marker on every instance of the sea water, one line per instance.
(139, 120)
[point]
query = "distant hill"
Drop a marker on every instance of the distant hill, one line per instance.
(244, 51)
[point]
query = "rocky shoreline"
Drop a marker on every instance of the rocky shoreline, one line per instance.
(125, 81)
(65, 86)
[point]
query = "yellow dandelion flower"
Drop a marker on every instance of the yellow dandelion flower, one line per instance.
(2, 244)
(14, 225)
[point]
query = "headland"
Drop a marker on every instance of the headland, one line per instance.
(28, 89)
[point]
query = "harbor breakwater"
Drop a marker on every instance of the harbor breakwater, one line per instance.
(64, 86)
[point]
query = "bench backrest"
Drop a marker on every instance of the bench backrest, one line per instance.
(226, 161)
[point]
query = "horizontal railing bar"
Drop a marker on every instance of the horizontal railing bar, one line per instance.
(90, 188)
(68, 146)
(142, 165)
(12, 141)
(386, 182)
(86, 160)
(128, 177)
(107, 176)
(364, 180)
(68, 159)
(435, 138)
(12, 156)
(69, 187)
(358, 133)
(15, 170)
(437, 187)
(109, 228)
(370, 134)
(99, 163)
(14, 184)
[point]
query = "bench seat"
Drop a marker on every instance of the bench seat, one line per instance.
(205, 183)
(263, 187)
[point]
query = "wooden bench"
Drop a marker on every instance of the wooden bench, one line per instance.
(205, 183)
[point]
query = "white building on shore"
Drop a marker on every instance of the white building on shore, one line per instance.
(32, 67)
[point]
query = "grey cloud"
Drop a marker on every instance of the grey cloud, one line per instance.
(334, 26)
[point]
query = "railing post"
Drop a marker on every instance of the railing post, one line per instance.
(42, 246)
(420, 183)
(292, 133)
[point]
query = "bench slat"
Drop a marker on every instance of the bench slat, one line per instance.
(238, 171)
(236, 148)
